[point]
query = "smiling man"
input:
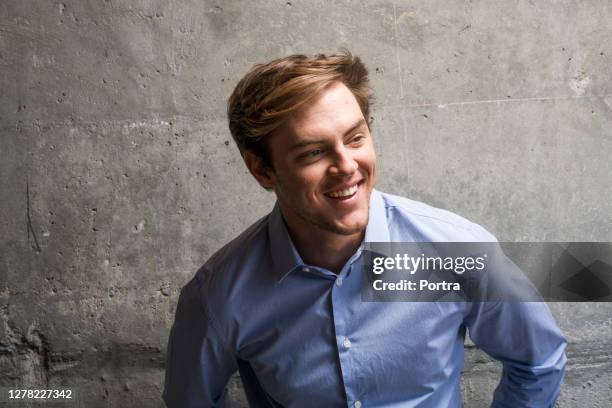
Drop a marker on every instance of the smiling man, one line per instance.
(323, 174)
(281, 303)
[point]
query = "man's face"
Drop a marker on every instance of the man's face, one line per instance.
(324, 164)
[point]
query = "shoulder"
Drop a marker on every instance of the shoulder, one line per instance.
(227, 273)
(237, 256)
(250, 244)
(427, 223)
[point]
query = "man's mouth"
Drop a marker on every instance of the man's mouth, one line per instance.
(344, 193)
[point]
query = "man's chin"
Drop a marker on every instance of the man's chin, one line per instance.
(345, 229)
(349, 231)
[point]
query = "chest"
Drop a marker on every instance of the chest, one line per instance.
(320, 344)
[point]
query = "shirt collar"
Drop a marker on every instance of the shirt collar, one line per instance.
(378, 228)
(285, 257)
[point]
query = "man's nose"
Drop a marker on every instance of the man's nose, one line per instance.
(343, 162)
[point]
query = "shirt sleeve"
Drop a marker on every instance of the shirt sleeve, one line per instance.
(198, 363)
(526, 339)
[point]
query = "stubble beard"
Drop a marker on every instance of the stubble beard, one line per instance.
(320, 222)
(325, 225)
(330, 227)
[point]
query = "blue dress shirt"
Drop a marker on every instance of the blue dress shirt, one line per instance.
(301, 336)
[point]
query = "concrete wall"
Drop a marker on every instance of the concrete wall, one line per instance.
(118, 176)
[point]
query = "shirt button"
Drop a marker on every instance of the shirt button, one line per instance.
(357, 404)
(347, 344)
(338, 281)
(305, 269)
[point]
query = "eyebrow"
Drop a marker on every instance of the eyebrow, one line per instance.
(304, 143)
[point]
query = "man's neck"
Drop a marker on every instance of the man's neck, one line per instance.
(322, 248)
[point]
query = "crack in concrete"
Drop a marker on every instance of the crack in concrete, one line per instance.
(397, 53)
(30, 228)
(138, 123)
(489, 101)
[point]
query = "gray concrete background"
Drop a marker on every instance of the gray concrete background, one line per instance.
(119, 178)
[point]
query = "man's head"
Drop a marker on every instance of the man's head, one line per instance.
(301, 124)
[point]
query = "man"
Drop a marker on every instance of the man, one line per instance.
(281, 303)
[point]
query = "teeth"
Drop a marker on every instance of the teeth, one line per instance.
(343, 193)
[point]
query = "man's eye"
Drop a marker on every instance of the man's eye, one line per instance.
(314, 153)
(358, 139)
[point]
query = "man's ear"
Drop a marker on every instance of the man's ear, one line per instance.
(259, 169)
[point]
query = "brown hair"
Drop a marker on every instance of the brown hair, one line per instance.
(269, 93)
